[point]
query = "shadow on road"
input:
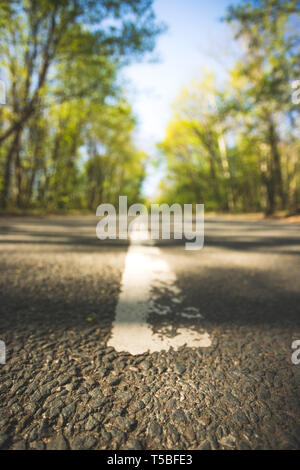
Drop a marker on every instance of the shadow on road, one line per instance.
(225, 295)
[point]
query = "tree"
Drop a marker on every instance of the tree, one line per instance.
(270, 63)
(237, 147)
(45, 44)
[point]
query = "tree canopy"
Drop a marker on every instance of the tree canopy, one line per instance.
(61, 61)
(237, 148)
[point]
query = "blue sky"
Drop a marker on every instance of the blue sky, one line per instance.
(196, 38)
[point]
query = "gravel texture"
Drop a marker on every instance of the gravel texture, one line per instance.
(63, 388)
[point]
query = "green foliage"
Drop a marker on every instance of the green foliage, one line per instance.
(238, 148)
(63, 145)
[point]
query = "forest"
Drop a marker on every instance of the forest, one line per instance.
(67, 127)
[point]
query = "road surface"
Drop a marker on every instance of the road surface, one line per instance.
(118, 346)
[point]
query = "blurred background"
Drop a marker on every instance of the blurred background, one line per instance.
(162, 101)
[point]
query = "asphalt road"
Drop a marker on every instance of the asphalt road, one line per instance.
(219, 323)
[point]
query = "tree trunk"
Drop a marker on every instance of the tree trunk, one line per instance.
(8, 169)
(269, 185)
(18, 171)
(276, 164)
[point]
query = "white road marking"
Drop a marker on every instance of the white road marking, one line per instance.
(145, 269)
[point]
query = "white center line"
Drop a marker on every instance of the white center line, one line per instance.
(145, 269)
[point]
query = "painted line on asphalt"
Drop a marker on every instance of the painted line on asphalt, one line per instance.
(145, 269)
